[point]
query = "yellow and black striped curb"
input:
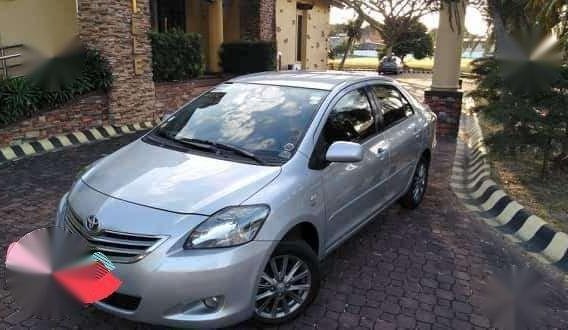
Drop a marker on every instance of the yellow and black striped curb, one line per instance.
(16, 152)
(471, 182)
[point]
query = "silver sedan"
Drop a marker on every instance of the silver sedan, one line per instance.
(224, 211)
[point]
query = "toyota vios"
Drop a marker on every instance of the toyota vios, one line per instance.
(224, 210)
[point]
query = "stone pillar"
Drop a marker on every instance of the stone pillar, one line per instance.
(233, 21)
(249, 18)
(215, 34)
(267, 20)
(118, 29)
(444, 97)
(258, 20)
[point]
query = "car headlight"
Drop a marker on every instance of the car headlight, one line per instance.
(229, 227)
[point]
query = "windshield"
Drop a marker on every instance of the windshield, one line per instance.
(267, 121)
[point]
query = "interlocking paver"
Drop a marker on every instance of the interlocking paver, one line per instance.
(415, 269)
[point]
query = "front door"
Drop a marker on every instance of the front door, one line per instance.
(353, 191)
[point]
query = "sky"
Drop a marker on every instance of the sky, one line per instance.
(473, 19)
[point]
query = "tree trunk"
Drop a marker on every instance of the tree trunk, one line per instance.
(545, 158)
(354, 33)
(388, 53)
(347, 52)
(565, 142)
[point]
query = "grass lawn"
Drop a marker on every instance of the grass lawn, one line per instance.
(371, 63)
(521, 178)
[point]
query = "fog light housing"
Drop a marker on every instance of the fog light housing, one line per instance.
(212, 302)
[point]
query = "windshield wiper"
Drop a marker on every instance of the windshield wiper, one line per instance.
(211, 146)
(235, 149)
(238, 150)
(187, 142)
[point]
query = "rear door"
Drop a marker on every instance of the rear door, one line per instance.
(401, 130)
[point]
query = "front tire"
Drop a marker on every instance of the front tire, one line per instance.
(415, 194)
(289, 283)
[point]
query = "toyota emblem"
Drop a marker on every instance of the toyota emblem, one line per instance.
(92, 224)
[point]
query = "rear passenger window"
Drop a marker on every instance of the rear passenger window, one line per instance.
(351, 119)
(393, 104)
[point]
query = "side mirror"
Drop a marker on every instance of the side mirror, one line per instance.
(344, 152)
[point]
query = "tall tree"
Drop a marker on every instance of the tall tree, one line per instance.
(415, 41)
(353, 30)
(518, 27)
(392, 18)
(554, 13)
(527, 96)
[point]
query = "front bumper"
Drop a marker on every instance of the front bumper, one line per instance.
(171, 288)
(389, 69)
(169, 284)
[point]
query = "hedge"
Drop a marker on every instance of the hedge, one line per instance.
(248, 56)
(54, 83)
(176, 55)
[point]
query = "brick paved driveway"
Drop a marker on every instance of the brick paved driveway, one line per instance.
(407, 269)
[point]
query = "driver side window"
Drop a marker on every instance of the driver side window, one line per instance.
(351, 119)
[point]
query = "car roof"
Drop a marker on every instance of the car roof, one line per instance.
(325, 80)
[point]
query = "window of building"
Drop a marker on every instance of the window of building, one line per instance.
(168, 15)
(299, 37)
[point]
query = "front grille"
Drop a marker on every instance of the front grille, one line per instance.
(117, 246)
(122, 301)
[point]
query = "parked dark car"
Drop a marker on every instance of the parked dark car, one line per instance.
(391, 64)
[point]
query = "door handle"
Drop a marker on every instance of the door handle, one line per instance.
(381, 151)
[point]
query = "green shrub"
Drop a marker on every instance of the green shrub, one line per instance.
(19, 97)
(248, 56)
(528, 101)
(176, 55)
(54, 83)
(97, 70)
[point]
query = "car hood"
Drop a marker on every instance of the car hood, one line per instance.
(176, 181)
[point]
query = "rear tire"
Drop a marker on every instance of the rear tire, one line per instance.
(283, 295)
(415, 194)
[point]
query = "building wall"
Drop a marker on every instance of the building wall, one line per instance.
(121, 35)
(257, 19)
(316, 33)
(92, 110)
(47, 26)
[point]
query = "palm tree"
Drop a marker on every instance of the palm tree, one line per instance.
(353, 30)
(553, 13)
(520, 26)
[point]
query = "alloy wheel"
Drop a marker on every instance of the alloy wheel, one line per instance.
(284, 287)
(419, 182)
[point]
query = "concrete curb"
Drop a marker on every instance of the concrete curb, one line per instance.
(375, 70)
(420, 71)
(471, 182)
(28, 149)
